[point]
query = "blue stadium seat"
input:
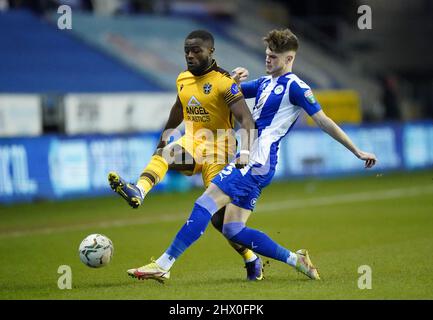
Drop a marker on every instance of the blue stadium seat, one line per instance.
(37, 57)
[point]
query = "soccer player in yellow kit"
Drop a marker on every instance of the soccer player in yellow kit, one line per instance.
(208, 100)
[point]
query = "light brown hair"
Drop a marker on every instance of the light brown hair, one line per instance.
(281, 41)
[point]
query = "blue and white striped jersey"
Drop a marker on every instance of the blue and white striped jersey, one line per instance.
(279, 102)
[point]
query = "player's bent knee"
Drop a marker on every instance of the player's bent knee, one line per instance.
(231, 229)
(207, 202)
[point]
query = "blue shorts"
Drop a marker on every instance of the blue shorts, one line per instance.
(245, 185)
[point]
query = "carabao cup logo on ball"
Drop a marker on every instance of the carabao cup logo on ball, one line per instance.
(234, 89)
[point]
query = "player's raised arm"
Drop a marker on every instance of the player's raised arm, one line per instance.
(248, 88)
(235, 100)
(174, 119)
(330, 127)
(301, 95)
(240, 74)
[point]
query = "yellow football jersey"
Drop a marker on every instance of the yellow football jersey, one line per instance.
(206, 99)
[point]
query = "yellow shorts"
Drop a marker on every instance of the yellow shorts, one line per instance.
(210, 158)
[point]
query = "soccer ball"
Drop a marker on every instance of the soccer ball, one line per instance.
(96, 250)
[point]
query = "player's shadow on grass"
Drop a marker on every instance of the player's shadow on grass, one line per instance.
(217, 281)
(291, 279)
(240, 282)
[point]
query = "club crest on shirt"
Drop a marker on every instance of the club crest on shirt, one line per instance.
(309, 96)
(207, 87)
(278, 89)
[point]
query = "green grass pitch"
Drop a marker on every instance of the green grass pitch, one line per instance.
(383, 221)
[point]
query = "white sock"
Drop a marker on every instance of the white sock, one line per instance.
(165, 261)
(292, 259)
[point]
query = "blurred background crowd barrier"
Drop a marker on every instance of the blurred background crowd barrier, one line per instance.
(79, 102)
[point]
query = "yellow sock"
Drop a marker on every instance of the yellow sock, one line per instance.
(248, 255)
(153, 173)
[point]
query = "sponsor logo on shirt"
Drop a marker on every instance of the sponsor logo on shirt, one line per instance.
(196, 112)
(234, 88)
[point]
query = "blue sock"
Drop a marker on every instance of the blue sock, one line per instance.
(256, 240)
(194, 227)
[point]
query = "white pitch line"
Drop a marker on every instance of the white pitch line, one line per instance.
(103, 224)
(265, 207)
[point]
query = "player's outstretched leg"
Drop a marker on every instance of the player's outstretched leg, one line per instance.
(253, 263)
(150, 271)
(191, 231)
(154, 172)
(305, 266)
(129, 191)
(264, 245)
(134, 193)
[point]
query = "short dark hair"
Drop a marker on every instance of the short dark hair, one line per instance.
(281, 41)
(201, 34)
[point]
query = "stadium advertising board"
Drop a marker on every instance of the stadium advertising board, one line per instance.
(310, 152)
(116, 113)
(342, 106)
(54, 167)
(20, 115)
(418, 145)
(57, 167)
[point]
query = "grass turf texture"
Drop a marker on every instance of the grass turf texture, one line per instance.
(385, 222)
